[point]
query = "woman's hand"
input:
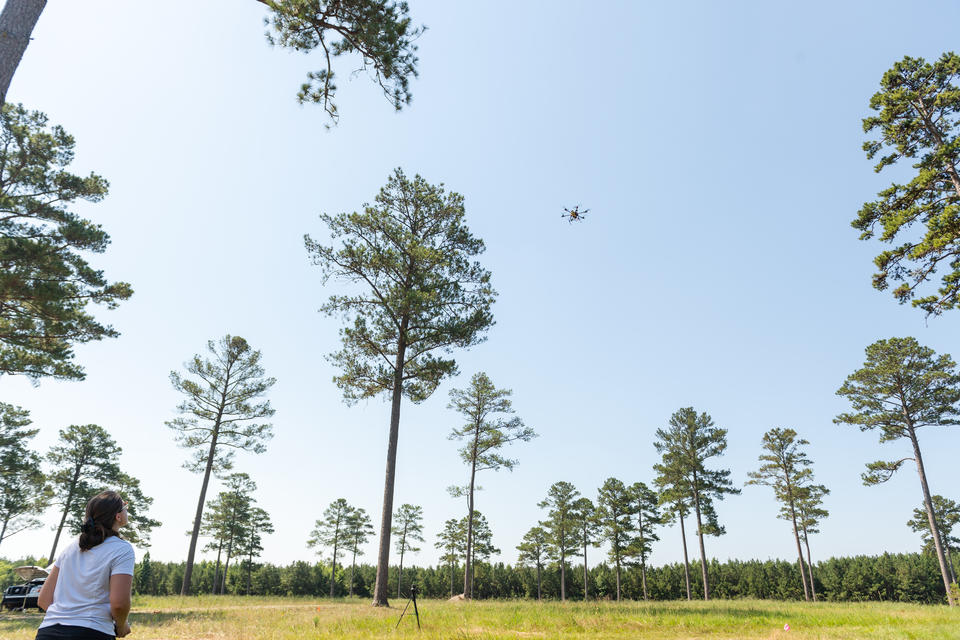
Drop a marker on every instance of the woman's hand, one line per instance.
(122, 633)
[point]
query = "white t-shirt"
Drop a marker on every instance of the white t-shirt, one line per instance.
(82, 594)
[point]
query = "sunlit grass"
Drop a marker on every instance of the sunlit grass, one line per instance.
(238, 618)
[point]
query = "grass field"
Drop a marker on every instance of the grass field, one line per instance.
(237, 618)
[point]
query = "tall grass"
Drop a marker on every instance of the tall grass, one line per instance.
(238, 618)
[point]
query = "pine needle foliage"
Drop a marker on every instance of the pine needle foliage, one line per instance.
(221, 413)
(918, 120)
(420, 295)
(46, 284)
(379, 31)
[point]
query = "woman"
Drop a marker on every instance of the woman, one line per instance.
(87, 596)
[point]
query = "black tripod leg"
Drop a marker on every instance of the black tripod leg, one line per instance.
(416, 613)
(404, 611)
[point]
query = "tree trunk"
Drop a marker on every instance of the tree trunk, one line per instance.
(17, 21)
(643, 559)
(3, 531)
(403, 547)
(333, 565)
(618, 576)
(796, 537)
(468, 569)
(188, 570)
(451, 578)
(686, 560)
(563, 574)
(934, 529)
(539, 589)
(806, 542)
(386, 516)
(226, 565)
(216, 570)
(585, 590)
(703, 552)
(66, 510)
(353, 567)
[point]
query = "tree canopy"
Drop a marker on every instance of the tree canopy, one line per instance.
(46, 284)
(918, 119)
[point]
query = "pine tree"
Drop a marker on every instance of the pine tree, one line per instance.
(647, 511)
(46, 284)
(408, 530)
(331, 531)
(947, 515)
(85, 456)
(808, 501)
(220, 414)
(615, 515)
(588, 531)
(358, 530)
(452, 541)
(902, 387)
(671, 483)
(484, 436)
(533, 551)
(421, 294)
(561, 527)
(785, 469)
(24, 492)
(687, 444)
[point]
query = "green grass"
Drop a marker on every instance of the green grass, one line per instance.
(237, 618)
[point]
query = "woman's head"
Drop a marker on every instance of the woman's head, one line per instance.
(105, 513)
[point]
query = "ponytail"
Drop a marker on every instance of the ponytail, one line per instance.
(98, 519)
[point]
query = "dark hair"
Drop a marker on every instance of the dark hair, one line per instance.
(98, 519)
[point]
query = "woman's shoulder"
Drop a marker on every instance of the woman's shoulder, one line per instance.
(118, 544)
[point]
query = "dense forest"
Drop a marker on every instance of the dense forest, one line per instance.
(903, 577)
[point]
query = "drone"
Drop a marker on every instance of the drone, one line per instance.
(574, 214)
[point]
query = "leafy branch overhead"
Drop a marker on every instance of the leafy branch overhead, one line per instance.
(380, 31)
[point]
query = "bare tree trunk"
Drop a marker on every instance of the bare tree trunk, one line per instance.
(353, 567)
(17, 21)
(188, 570)
(216, 570)
(703, 553)
(386, 516)
(333, 565)
(796, 537)
(618, 577)
(3, 531)
(586, 593)
(400, 569)
(66, 510)
(934, 529)
(563, 575)
(686, 560)
(539, 590)
(806, 542)
(468, 569)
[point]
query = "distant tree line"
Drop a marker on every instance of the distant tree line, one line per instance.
(905, 577)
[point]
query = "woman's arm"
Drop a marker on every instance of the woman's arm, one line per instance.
(45, 599)
(120, 587)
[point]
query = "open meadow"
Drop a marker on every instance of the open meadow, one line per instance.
(239, 618)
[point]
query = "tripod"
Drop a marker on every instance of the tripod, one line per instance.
(413, 599)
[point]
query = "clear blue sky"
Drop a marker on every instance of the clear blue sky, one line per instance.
(716, 144)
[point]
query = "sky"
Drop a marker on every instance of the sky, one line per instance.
(717, 146)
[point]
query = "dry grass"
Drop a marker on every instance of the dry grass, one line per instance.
(235, 618)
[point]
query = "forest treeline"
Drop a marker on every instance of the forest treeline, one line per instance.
(902, 577)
